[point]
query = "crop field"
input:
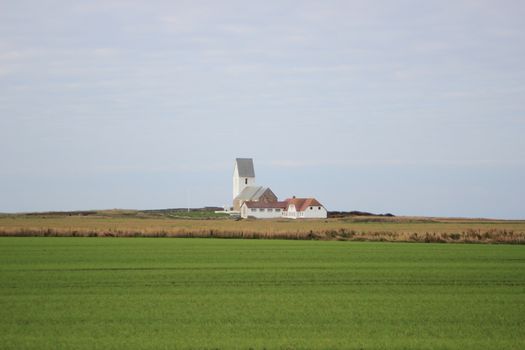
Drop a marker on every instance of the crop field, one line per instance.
(201, 224)
(176, 293)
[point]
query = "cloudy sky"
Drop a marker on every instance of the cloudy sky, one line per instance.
(409, 107)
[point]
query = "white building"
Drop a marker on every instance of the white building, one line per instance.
(244, 188)
(304, 208)
(262, 210)
(292, 208)
(260, 202)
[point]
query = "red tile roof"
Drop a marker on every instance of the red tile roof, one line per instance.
(301, 204)
(253, 204)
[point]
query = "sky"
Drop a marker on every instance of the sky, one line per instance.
(407, 107)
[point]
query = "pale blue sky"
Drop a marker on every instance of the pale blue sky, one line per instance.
(409, 107)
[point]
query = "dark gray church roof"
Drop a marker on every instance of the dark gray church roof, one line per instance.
(245, 167)
(252, 193)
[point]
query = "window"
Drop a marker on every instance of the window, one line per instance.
(261, 209)
(319, 208)
(252, 209)
(245, 181)
(311, 208)
(278, 210)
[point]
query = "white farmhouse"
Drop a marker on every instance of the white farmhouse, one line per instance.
(304, 208)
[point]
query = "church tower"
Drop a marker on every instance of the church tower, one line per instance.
(243, 175)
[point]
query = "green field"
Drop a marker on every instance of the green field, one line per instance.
(167, 293)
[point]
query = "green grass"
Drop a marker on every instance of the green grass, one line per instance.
(156, 293)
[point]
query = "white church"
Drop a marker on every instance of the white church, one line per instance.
(252, 201)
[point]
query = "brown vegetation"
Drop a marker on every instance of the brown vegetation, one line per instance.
(468, 236)
(358, 228)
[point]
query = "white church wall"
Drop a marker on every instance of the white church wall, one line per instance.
(239, 183)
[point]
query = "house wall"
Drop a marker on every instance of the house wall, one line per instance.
(290, 212)
(262, 213)
(315, 212)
